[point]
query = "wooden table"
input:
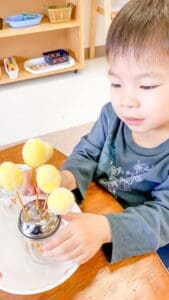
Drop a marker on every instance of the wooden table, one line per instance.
(137, 278)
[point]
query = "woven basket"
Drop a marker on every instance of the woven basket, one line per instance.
(60, 14)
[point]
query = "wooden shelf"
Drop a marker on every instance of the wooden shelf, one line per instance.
(42, 27)
(29, 42)
(24, 75)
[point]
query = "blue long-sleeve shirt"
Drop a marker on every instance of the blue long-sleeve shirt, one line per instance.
(138, 177)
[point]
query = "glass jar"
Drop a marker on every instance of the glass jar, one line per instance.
(40, 226)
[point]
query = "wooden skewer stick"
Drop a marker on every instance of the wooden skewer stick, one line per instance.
(37, 201)
(45, 203)
(45, 212)
(34, 183)
(23, 207)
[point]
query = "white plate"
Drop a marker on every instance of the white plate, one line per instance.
(39, 66)
(20, 274)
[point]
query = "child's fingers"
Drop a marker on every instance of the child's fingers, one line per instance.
(57, 240)
(71, 216)
(73, 255)
(39, 191)
(63, 249)
(77, 256)
(27, 189)
(28, 175)
(30, 190)
(81, 259)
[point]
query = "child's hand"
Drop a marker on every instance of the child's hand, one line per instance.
(28, 187)
(80, 239)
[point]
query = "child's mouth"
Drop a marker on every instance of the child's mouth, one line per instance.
(133, 121)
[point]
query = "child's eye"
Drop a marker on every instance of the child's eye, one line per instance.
(148, 87)
(115, 85)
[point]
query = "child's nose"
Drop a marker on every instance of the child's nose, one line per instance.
(129, 101)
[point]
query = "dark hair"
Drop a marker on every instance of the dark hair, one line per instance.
(141, 26)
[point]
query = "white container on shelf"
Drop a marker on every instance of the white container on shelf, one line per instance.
(11, 67)
(39, 66)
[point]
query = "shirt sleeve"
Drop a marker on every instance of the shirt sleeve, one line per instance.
(84, 158)
(142, 229)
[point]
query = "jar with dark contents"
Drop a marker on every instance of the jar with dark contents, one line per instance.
(40, 226)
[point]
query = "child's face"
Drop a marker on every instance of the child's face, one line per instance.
(140, 93)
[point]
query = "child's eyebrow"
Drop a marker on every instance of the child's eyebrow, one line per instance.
(142, 75)
(148, 74)
(110, 73)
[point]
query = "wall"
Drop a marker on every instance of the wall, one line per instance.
(54, 103)
(44, 105)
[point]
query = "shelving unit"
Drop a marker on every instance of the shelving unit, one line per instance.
(30, 42)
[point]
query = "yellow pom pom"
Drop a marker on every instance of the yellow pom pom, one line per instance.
(49, 151)
(48, 178)
(34, 153)
(60, 201)
(10, 176)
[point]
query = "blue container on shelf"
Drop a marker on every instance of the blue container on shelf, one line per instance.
(24, 20)
(56, 56)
